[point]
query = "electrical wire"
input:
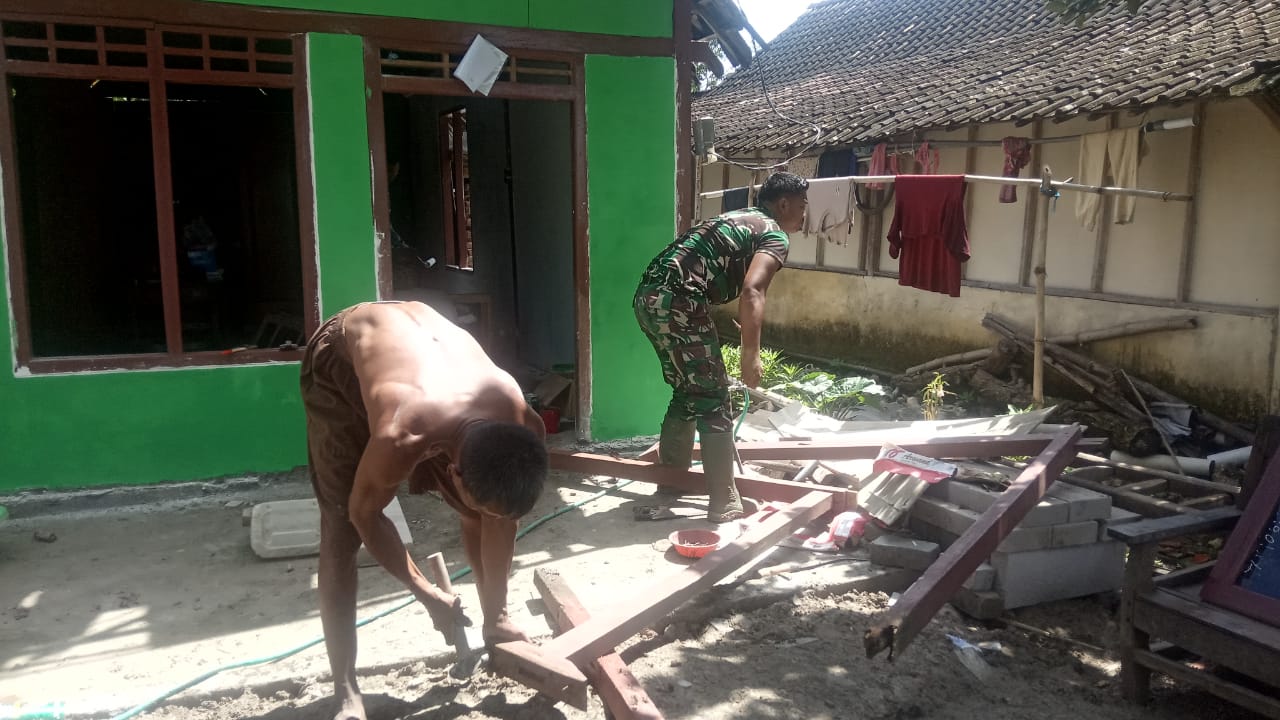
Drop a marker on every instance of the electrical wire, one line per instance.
(410, 600)
(765, 90)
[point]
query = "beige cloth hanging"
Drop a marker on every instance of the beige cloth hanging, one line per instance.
(1121, 150)
(830, 214)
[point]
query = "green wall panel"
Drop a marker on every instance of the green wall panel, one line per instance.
(340, 154)
(643, 19)
(631, 187)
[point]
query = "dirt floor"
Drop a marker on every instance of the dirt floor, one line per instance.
(133, 598)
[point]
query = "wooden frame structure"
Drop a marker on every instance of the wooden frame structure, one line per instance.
(1257, 525)
(554, 668)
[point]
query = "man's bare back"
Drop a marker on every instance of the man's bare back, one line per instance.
(422, 377)
(395, 392)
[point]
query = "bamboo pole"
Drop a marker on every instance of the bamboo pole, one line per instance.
(1041, 251)
(1137, 327)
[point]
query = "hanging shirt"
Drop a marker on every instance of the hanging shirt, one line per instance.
(710, 260)
(928, 231)
(830, 214)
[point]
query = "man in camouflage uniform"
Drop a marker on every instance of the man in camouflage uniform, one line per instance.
(733, 256)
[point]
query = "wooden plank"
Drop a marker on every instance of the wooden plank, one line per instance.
(1219, 635)
(1264, 447)
(692, 481)
(1185, 484)
(917, 606)
(620, 691)
(1131, 501)
(1135, 680)
(533, 666)
(1184, 576)
(1146, 487)
(1173, 527)
(1265, 705)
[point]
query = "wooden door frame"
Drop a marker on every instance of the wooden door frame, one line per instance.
(573, 93)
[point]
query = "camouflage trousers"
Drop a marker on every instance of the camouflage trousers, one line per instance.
(682, 333)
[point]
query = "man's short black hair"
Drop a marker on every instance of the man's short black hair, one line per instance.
(780, 185)
(504, 467)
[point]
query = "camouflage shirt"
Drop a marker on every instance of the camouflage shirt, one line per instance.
(710, 260)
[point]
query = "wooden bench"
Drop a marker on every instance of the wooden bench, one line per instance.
(1228, 651)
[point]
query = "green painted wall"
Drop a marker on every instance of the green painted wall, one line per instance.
(631, 187)
(340, 154)
(648, 18)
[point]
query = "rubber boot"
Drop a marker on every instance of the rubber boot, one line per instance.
(675, 447)
(717, 464)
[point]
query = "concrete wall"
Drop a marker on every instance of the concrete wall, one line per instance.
(1227, 364)
(173, 424)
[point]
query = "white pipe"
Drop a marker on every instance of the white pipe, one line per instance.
(1199, 467)
(1232, 458)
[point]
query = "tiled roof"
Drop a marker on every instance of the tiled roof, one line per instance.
(870, 69)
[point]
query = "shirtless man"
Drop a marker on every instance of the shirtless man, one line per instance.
(394, 392)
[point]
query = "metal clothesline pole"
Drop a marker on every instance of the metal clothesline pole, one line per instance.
(1048, 188)
(998, 180)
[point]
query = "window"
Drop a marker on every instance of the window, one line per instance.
(159, 215)
(455, 179)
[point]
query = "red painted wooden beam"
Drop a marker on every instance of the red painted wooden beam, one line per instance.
(620, 691)
(549, 668)
(917, 606)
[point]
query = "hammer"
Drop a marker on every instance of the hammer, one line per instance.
(465, 639)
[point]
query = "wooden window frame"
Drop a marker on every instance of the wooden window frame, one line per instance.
(1223, 586)
(158, 77)
(455, 190)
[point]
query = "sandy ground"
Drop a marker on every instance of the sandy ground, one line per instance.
(132, 599)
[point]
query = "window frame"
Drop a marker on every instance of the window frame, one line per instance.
(158, 77)
(455, 177)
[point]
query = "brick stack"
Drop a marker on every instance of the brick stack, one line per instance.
(1060, 549)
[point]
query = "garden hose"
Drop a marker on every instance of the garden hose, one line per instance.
(460, 573)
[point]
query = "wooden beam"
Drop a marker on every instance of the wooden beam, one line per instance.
(1248, 698)
(917, 606)
(1151, 531)
(1131, 501)
(544, 668)
(693, 481)
(1264, 447)
(620, 691)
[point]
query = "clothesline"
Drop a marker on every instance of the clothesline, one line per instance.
(998, 180)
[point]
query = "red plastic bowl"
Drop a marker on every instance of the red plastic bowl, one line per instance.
(694, 543)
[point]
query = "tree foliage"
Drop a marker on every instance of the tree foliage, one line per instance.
(1078, 11)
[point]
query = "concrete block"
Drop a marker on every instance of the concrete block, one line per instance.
(954, 520)
(982, 580)
(291, 528)
(979, 604)
(929, 531)
(1119, 516)
(1030, 578)
(1084, 504)
(1077, 533)
(903, 552)
(1049, 511)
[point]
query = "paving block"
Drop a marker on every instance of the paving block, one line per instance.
(978, 604)
(1119, 516)
(1049, 511)
(982, 580)
(1038, 576)
(291, 528)
(1084, 504)
(1077, 533)
(903, 552)
(929, 531)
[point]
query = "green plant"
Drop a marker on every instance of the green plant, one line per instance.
(732, 356)
(1015, 410)
(933, 396)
